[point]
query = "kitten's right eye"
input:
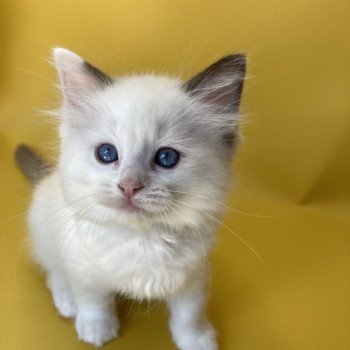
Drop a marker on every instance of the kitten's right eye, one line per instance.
(167, 157)
(107, 153)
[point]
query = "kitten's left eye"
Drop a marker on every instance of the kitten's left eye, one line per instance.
(107, 153)
(167, 157)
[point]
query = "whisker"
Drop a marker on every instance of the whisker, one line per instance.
(228, 207)
(197, 234)
(171, 231)
(75, 224)
(235, 234)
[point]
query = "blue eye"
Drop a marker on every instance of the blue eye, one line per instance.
(107, 153)
(167, 157)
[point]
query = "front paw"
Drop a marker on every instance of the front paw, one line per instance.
(199, 339)
(64, 303)
(97, 330)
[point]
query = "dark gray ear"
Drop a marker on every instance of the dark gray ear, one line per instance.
(221, 84)
(99, 76)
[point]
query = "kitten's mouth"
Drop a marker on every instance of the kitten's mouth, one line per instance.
(129, 206)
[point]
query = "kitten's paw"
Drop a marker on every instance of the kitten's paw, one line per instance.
(205, 339)
(97, 331)
(61, 293)
(64, 302)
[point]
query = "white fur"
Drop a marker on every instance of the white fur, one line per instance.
(90, 248)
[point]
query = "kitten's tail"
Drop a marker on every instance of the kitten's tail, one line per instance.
(33, 166)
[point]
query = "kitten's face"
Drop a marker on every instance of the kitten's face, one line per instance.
(142, 148)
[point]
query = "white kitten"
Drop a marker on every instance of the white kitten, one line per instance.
(133, 204)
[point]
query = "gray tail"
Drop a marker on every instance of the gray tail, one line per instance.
(33, 166)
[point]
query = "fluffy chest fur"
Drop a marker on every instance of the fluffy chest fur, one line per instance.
(148, 264)
(140, 261)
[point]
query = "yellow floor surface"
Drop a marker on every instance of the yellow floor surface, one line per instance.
(288, 286)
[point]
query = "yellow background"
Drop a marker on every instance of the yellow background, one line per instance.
(292, 172)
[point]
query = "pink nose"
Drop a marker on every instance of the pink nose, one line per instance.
(129, 188)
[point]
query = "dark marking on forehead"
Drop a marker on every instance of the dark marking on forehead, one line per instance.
(102, 78)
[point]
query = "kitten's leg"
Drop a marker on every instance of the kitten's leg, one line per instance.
(189, 326)
(95, 322)
(61, 293)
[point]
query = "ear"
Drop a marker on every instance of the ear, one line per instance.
(220, 85)
(78, 78)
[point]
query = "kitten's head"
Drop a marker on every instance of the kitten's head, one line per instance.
(147, 148)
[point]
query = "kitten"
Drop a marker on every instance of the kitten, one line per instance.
(133, 204)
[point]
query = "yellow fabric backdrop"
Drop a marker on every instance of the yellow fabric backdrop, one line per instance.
(292, 197)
